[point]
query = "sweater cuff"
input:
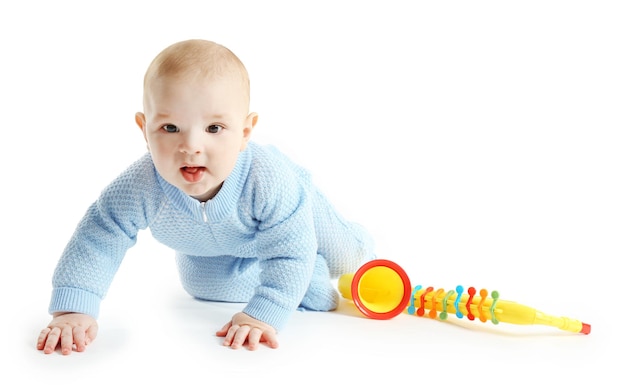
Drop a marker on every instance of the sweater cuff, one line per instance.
(267, 311)
(74, 300)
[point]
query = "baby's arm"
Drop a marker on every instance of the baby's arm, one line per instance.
(68, 329)
(92, 256)
(243, 328)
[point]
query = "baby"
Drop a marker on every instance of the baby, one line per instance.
(246, 223)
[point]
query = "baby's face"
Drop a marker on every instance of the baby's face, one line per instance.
(195, 130)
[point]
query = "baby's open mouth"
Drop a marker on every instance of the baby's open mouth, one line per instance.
(192, 173)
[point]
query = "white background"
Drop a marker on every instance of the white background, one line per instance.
(481, 142)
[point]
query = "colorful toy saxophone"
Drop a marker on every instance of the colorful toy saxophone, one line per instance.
(381, 289)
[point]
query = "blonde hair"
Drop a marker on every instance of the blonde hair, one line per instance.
(198, 58)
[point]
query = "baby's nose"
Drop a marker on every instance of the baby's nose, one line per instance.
(192, 142)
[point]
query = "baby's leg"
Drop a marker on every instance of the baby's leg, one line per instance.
(345, 245)
(321, 295)
(223, 278)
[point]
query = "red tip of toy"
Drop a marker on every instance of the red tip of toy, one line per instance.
(586, 328)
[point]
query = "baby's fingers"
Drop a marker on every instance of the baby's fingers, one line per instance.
(237, 336)
(254, 338)
(48, 339)
(79, 338)
(43, 336)
(91, 334)
(270, 338)
(67, 340)
(224, 330)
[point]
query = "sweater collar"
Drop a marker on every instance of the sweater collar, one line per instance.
(220, 206)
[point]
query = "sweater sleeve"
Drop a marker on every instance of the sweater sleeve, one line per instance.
(286, 242)
(104, 234)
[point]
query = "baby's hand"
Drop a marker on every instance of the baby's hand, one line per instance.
(68, 329)
(244, 328)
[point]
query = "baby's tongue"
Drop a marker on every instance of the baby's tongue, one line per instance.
(192, 174)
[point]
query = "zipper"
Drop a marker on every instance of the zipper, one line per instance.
(204, 216)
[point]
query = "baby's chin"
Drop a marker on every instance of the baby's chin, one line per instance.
(202, 190)
(201, 195)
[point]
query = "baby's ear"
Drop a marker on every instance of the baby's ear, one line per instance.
(140, 120)
(251, 121)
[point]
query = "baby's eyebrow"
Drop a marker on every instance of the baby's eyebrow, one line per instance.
(161, 115)
(216, 116)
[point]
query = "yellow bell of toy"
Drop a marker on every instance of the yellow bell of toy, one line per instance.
(380, 289)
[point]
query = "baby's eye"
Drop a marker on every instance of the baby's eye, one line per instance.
(214, 128)
(171, 128)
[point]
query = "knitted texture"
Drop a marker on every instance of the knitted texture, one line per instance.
(269, 238)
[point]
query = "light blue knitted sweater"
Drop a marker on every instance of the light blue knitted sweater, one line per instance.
(269, 234)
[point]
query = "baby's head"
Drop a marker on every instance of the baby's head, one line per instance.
(196, 119)
(197, 59)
